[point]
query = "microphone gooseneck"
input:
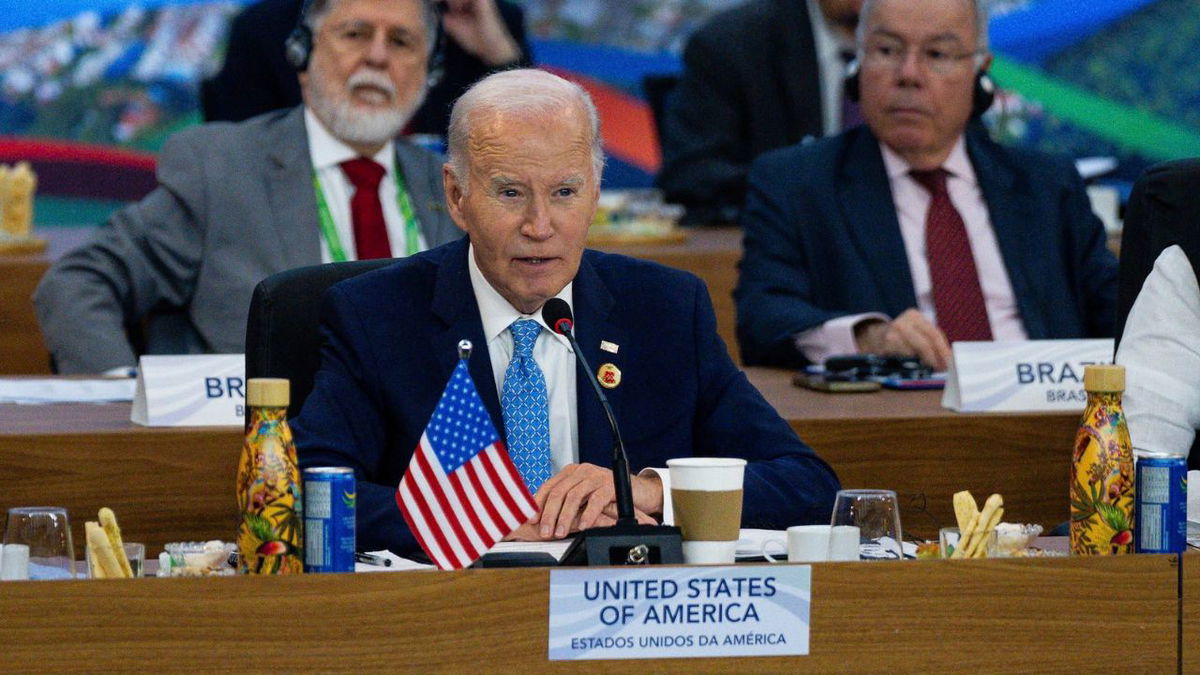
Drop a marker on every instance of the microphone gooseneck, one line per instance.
(557, 314)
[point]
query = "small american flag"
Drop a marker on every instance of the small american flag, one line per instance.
(461, 493)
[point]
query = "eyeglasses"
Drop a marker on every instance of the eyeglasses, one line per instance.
(893, 54)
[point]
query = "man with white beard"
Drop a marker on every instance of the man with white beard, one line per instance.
(326, 181)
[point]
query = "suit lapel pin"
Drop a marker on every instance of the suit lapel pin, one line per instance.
(610, 347)
(609, 376)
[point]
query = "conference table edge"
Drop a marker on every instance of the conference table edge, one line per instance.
(999, 615)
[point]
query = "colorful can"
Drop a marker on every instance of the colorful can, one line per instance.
(1161, 504)
(329, 498)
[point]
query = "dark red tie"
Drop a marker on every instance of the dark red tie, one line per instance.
(957, 295)
(366, 213)
(851, 112)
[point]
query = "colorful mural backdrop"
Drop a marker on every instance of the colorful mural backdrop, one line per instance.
(89, 89)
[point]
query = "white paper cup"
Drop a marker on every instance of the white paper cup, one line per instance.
(709, 552)
(843, 542)
(706, 496)
(14, 563)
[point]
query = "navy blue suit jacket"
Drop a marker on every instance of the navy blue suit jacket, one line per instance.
(822, 240)
(390, 346)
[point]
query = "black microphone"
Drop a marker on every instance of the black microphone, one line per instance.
(557, 314)
(626, 542)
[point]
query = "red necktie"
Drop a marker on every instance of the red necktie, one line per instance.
(366, 213)
(851, 112)
(957, 295)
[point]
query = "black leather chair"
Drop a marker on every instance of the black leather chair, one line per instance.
(658, 88)
(283, 336)
(1164, 209)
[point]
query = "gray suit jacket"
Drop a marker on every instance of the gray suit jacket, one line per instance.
(235, 204)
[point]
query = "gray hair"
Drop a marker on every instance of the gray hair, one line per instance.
(981, 25)
(520, 91)
(315, 11)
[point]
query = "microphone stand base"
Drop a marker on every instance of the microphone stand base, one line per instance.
(625, 544)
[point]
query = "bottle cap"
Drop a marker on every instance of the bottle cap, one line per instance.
(1104, 377)
(267, 392)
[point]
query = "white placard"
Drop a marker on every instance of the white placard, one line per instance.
(59, 390)
(1033, 375)
(203, 390)
(679, 612)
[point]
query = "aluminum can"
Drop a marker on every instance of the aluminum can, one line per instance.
(329, 498)
(1161, 504)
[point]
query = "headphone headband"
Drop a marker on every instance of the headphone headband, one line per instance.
(298, 46)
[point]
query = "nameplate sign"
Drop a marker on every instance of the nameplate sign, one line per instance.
(190, 391)
(679, 612)
(1029, 376)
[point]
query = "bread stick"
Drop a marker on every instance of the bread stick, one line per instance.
(981, 545)
(979, 533)
(108, 520)
(964, 537)
(964, 508)
(105, 565)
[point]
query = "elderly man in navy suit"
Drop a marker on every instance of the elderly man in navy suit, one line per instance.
(917, 230)
(522, 180)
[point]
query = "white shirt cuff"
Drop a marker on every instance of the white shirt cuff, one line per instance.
(668, 513)
(834, 337)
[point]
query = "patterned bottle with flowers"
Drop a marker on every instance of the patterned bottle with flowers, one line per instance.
(270, 534)
(1102, 484)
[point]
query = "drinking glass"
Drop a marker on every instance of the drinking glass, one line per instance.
(45, 533)
(876, 514)
(135, 553)
(949, 539)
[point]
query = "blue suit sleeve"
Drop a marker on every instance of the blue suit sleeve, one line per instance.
(1096, 272)
(774, 291)
(343, 424)
(786, 483)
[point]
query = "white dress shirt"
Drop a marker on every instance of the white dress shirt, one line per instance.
(551, 351)
(327, 153)
(911, 201)
(831, 68)
(554, 356)
(1160, 350)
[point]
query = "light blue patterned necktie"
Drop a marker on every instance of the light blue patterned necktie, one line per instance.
(526, 410)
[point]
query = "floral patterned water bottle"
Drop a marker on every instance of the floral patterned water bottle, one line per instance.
(270, 534)
(1102, 487)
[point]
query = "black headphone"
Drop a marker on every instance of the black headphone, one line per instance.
(298, 46)
(982, 97)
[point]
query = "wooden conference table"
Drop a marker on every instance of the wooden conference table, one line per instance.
(177, 484)
(710, 253)
(1035, 615)
(21, 350)
(906, 441)
(1190, 612)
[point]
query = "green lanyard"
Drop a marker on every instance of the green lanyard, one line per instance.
(412, 242)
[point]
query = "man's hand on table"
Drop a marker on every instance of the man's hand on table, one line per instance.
(909, 334)
(582, 496)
